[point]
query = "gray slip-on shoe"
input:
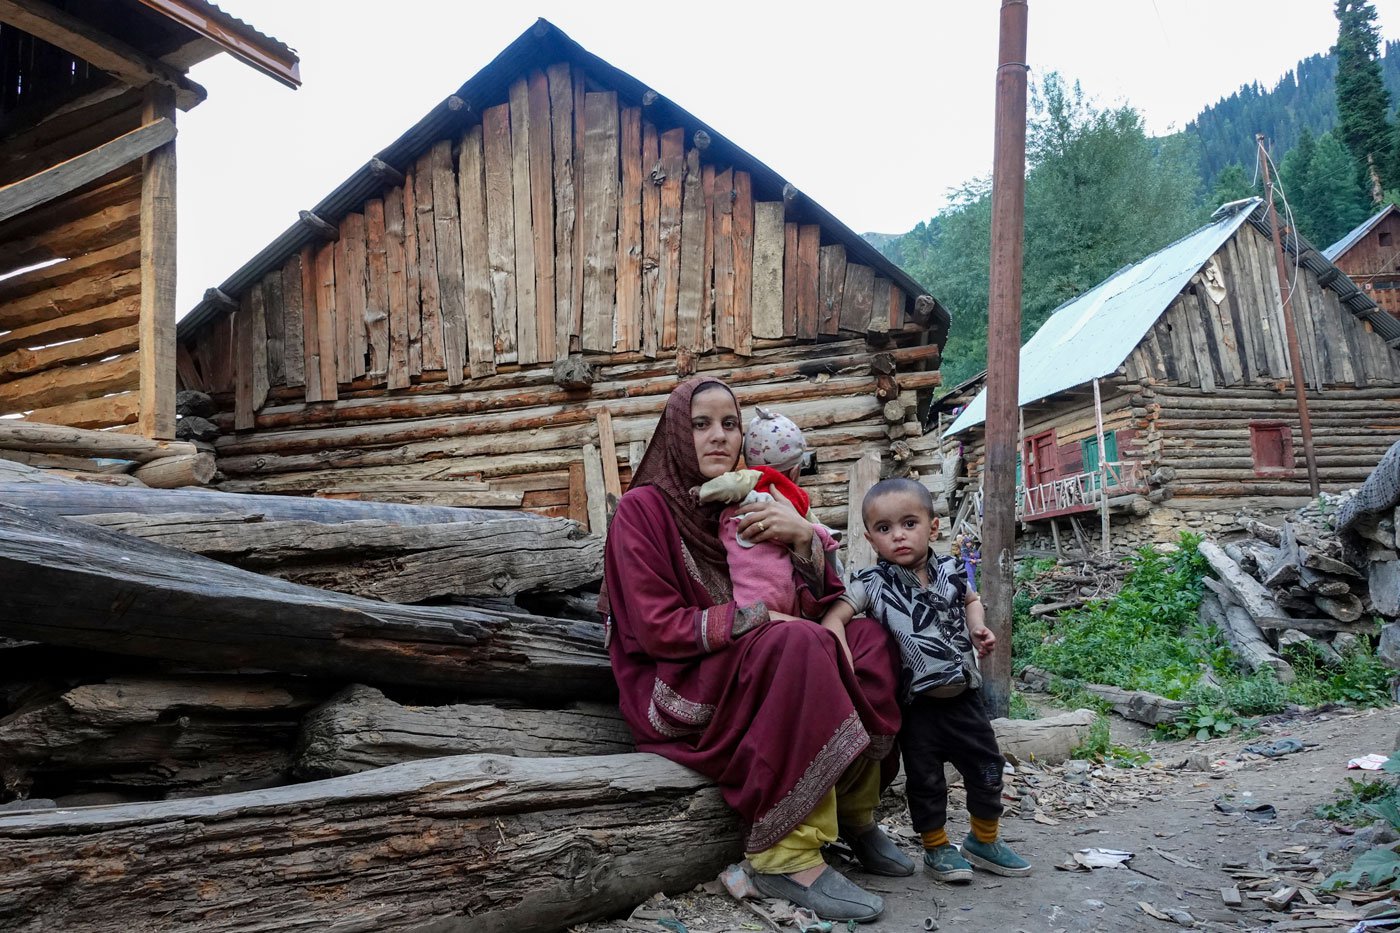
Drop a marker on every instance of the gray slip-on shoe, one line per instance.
(832, 896)
(878, 854)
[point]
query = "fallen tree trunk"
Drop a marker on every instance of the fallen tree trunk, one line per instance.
(175, 734)
(473, 843)
(82, 442)
(174, 472)
(362, 729)
(1137, 705)
(1243, 589)
(403, 564)
(1048, 740)
(65, 583)
(76, 499)
(1245, 638)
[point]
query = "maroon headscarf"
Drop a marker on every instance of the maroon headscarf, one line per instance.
(672, 465)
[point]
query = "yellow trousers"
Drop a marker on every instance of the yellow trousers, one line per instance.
(850, 803)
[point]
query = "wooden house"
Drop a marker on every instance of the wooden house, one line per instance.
(1165, 391)
(1370, 256)
(492, 311)
(88, 106)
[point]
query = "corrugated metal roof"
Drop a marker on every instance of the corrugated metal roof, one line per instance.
(540, 45)
(1090, 336)
(1346, 242)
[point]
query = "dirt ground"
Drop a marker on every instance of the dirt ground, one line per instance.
(1163, 814)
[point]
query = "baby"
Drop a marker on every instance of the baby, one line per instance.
(762, 571)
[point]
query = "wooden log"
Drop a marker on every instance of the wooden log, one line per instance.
(65, 583)
(722, 240)
(1344, 608)
(1245, 590)
(500, 228)
(23, 362)
(807, 285)
(181, 734)
(430, 301)
(106, 227)
(274, 317)
(362, 729)
(70, 175)
(858, 298)
(373, 337)
(743, 263)
(326, 321)
(447, 240)
(412, 274)
(561, 116)
(668, 284)
(476, 263)
(156, 389)
(105, 412)
(511, 824)
(310, 333)
(1050, 740)
(380, 560)
(77, 500)
(398, 375)
(542, 214)
(79, 442)
(707, 260)
(70, 298)
(173, 472)
(1137, 705)
(768, 259)
(831, 288)
(527, 338)
(352, 308)
(629, 233)
(692, 287)
(863, 475)
(1241, 632)
(73, 383)
(599, 219)
(596, 490)
(651, 238)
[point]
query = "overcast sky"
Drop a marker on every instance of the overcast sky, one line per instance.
(874, 109)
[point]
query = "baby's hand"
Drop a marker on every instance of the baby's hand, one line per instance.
(984, 640)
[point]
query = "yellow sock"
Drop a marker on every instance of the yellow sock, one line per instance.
(935, 838)
(985, 830)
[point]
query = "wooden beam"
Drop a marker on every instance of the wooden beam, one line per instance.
(69, 176)
(157, 353)
(70, 33)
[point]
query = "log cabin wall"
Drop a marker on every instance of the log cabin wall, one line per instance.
(411, 354)
(1193, 397)
(70, 330)
(1373, 262)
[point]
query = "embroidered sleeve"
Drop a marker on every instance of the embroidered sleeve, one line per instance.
(812, 566)
(648, 602)
(747, 618)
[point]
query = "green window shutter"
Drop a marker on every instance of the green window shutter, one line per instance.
(1089, 451)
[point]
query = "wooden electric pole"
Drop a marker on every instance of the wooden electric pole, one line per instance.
(1295, 356)
(1004, 352)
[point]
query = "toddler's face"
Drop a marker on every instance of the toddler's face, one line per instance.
(900, 528)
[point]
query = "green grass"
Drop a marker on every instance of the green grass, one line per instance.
(1020, 707)
(1147, 637)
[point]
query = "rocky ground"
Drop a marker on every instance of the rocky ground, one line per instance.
(1185, 849)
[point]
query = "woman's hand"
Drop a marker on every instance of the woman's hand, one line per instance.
(775, 521)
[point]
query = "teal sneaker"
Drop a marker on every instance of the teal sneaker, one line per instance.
(995, 857)
(946, 864)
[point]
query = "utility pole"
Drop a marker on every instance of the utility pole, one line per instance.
(1004, 352)
(1295, 356)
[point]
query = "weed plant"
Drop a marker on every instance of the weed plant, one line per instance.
(1147, 637)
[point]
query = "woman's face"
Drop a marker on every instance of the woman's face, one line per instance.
(714, 423)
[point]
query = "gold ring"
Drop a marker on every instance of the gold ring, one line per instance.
(762, 527)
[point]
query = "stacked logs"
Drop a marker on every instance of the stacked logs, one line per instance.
(318, 711)
(54, 453)
(1292, 584)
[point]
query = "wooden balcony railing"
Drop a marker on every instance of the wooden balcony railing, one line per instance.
(1081, 492)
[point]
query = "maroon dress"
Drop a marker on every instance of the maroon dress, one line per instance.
(774, 715)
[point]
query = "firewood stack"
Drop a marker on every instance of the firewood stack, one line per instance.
(318, 712)
(1296, 582)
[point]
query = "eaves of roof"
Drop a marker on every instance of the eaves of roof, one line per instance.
(542, 44)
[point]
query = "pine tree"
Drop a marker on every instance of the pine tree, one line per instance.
(1231, 184)
(1337, 200)
(1362, 100)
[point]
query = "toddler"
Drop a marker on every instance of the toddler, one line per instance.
(762, 571)
(925, 603)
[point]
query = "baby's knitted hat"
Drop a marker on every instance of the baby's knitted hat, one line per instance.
(773, 441)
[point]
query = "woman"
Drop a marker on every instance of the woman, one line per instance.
(767, 705)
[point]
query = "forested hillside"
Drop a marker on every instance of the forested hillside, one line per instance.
(1101, 194)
